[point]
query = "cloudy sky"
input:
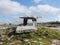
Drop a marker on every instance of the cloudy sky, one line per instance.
(10, 10)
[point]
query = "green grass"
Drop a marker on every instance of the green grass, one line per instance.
(42, 36)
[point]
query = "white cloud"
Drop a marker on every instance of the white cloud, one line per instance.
(45, 9)
(11, 7)
(57, 18)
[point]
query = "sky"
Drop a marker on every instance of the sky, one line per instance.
(11, 10)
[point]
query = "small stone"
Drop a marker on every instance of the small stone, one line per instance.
(26, 40)
(56, 41)
(40, 38)
(8, 38)
(40, 42)
(53, 44)
(1, 42)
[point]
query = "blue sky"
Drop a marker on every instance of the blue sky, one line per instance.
(11, 10)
